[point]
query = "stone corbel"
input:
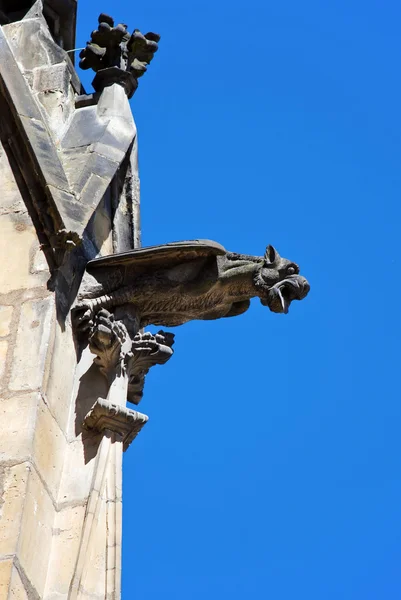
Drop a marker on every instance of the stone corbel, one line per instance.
(124, 361)
(106, 416)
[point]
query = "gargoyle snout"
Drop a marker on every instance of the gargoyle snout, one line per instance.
(304, 287)
(280, 295)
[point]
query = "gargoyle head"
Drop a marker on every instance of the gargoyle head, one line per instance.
(279, 283)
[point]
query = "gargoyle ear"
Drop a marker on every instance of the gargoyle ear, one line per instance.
(270, 255)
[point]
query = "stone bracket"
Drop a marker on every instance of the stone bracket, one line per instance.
(105, 415)
(122, 354)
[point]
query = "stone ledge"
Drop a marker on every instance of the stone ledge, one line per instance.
(107, 416)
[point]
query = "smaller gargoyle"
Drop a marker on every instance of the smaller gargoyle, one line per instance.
(172, 284)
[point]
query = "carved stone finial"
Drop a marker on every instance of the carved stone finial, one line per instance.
(117, 56)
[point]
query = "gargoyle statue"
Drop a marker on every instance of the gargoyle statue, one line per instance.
(172, 284)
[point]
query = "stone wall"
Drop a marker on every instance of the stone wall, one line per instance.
(69, 193)
(27, 329)
(57, 515)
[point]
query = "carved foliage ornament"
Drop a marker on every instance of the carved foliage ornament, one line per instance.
(118, 354)
(117, 56)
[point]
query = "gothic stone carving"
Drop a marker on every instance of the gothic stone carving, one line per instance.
(105, 415)
(175, 283)
(118, 354)
(117, 56)
(106, 340)
(147, 350)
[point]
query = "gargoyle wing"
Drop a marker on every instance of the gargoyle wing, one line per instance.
(123, 268)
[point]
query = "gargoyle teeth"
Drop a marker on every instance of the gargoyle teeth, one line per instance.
(283, 300)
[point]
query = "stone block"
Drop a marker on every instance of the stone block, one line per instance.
(49, 449)
(3, 357)
(71, 211)
(39, 263)
(74, 161)
(17, 418)
(49, 79)
(113, 154)
(77, 474)
(100, 228)
(67, 535)
(13, 485)
(36, 533)
(32, 44)
(5, 577)
(17, 589)
(97, 164)
(13, 79)
(45, 152)
(60, 382)
(94, 191)
(30, 354)
(11, 200)
(113, 102)
(21, 237)
(85, 129)
(6, 313)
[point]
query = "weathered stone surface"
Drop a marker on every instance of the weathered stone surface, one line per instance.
(14, 80)
(21, 237)
(60, 381)
(85, 129)
(5, 577)
(6, 313)
(11, 201)
(36, 532)
(39, 263)
(34, 334)
(18, 418)
(97, 569)
(45, 152)
(74, 213)
(32, 44)
(100, 228)
(14, 482)
(95, 163)
(51, 79)
(49, 449)
(17, 588)
(3, 357)
(67, 532)
(77, 474)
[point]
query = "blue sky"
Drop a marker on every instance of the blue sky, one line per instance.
(271, 464)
